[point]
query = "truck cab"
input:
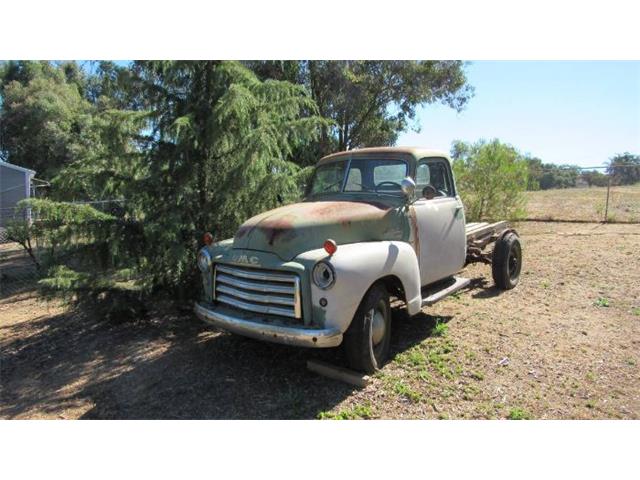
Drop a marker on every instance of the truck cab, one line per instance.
(375, 223)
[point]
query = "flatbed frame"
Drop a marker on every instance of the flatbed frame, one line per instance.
(481, 234)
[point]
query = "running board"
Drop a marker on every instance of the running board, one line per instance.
(442, 291)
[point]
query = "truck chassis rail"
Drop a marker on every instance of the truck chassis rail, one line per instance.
(481, 234)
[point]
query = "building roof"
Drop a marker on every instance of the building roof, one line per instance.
(16, 167)
(417, 152)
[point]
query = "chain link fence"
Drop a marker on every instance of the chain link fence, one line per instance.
(18, 270)
(607, 201)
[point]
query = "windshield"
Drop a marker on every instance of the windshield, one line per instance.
(364, 175)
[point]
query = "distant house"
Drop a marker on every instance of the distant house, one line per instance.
(16, 183)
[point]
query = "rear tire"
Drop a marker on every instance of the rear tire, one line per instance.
(367, 340)
(506, 261)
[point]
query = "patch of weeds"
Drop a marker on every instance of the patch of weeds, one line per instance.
(470, 355)
(456, 295)
(591, 376)
(545, 284)
(591, 404)
(631, 362)
(438, 362)
(438, 359)
(518, 414)
(406, 391)
(424, 375)
(356, 412)
(477, 375)
(440, 329)
(446, 392)
(469, 392)
(446, 347)
(380, 374)
(414, 357)
(636, 311)
(443, 416)
(601, 302)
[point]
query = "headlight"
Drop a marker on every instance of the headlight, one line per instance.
(323, 275)
(204, 260)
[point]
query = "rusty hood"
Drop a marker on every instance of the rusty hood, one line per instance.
(290, 230)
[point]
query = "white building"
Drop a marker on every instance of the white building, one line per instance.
(16, 183)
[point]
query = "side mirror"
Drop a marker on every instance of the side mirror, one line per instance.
(408, 187)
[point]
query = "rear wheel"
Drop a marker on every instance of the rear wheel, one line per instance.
(367, 339)
(506, 261)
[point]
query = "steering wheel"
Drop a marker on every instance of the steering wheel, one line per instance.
(394, 184)
(430, 192)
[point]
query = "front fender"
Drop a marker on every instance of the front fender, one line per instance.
(357, 267)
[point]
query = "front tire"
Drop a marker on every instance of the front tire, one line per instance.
(367, 340)
(506, 261)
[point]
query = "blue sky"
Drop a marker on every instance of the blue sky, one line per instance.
(579, 113)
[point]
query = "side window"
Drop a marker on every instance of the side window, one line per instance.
(422, 175)
(434, 172)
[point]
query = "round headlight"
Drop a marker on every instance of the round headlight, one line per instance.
(323, 275)
(204, 260)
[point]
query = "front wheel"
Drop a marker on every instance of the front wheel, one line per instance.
(507, 261)
(367, 339)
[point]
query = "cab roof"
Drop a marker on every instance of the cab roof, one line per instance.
(416, 152)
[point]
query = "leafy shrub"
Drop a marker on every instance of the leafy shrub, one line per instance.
(491, 178)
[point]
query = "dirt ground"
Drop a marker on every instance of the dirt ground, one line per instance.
(564, 344)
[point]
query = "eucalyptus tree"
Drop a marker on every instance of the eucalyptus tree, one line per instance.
(370, 101)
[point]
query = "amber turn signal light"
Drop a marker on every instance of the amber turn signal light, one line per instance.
(330, 246)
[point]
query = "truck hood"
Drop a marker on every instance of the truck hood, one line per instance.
(290, 230)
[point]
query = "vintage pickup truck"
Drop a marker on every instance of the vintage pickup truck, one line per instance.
(375, 223)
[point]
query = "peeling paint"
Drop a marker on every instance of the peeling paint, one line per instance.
(292, 229)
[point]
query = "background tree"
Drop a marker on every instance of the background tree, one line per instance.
(491, 177)
(370, 102)
(43, 115)
(624, 169)
(535, 173)
(595, 178)
(558, 176)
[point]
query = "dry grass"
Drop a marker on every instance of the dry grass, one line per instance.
(587, 204)
(564, 344)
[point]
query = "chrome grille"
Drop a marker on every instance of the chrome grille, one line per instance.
(258, 290)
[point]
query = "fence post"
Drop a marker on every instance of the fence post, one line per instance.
(606, 208)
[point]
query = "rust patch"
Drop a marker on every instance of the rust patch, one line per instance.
(244, 230)
(345, 211)
(413, 220)
(278, 228)
(284, 224)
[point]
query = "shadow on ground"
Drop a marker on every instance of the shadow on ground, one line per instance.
(166, 366)
(482, 289)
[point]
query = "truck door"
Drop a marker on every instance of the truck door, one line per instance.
(442, 242)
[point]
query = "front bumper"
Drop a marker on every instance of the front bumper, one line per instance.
(256, 327)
